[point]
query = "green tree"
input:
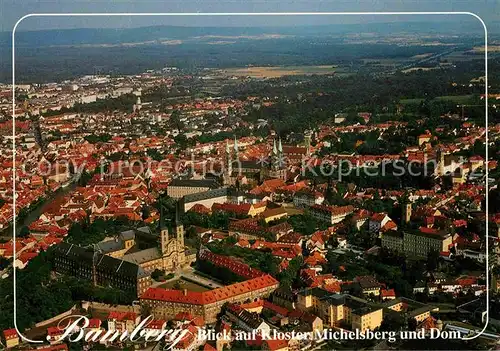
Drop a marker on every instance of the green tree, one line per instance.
(4, 263)
(24, 232)
(175, 120)
(432, 260)
(145, 212)
(392, 322)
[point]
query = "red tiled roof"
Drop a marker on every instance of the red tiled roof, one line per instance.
(390, 225)
(211, 296)
(276, 344)
(290, 238)
(283, 254)
(235, 208)
(333, 287)
(466, 281)
(460, 223)
(156, 324)
(387, 293)
(94, 323)
(122, 315)
(198, 321)
(252, 304)
(428, 230)
(199, 208)
(26, 256)
(237, 267)
(183, 316)
(10, 333)
(281, 228)
(243, 243)
(59, 347)
(428, 323)
(54, 331)
(275, 308)
(209, 347)
(378, 217)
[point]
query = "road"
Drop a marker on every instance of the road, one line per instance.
(33, 215)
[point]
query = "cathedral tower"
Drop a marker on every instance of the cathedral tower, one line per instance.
(179, 228)
(236, 151)
(277, 166)
(228, 166)
(172, 243)
(440, 162)
(406, 216)
(307, 142)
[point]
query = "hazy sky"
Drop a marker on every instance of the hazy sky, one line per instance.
(11, 11)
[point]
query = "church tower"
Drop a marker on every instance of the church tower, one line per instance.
(236, 151)
(307, 142)
(440, 162)
(164, 240)
(179, 229)
(274, 155)
(138, 105)
(280, 151)
(406, 216)
(172, 242)
(277, 167)
(163, 232)
(228, 167)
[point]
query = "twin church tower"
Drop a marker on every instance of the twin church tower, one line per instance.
(274, 166)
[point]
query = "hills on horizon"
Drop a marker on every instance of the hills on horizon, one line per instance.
(88, 36)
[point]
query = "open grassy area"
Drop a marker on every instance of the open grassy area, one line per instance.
(410, 101)
(184, 284)
(278, 71)
(459, 99)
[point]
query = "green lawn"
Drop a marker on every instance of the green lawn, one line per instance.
(459, 99)
(456, 98)
(410, 101)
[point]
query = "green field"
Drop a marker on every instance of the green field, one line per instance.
(279, 71)
(184, 284)
(456, 98)
(410, 101)
(459, 99)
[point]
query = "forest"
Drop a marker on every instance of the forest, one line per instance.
(59, 62)
(40, 297)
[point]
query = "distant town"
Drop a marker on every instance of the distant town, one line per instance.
(260, 200)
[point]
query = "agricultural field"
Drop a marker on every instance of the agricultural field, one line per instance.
(278, 71)
(491, 48)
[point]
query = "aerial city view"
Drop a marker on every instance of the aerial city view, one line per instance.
(255, 187)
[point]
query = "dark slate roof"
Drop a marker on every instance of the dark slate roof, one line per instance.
(142, 256)
(204, 195)
(74, 251)
(144, 229)
(359, 306)
(127, 235)
(200, 183)
(318, 292)
(296, 137)
(337, 299)
(110, 245)
(108, 263)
